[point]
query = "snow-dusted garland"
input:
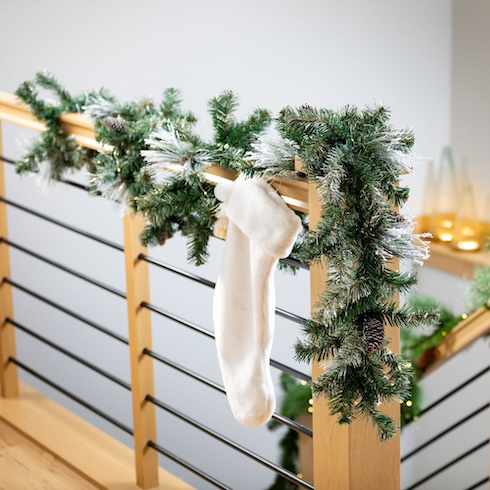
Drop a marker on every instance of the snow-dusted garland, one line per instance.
(354, 156)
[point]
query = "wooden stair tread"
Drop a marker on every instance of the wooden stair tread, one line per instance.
(96, 456)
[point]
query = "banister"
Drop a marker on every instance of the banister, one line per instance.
(461, 336)
(345, 448)
(294, 191)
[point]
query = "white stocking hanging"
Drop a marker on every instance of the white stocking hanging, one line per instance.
(261, 230)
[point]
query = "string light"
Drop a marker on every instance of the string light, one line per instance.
(310, 401)
(443, 333)
(303, 382)
(409, 403)
(464, 316)
(310, 409)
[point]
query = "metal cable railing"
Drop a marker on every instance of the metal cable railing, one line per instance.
(449, 464)
(206, 282)
(187, 465)
(64, 268)
(69, 354)
(216, 386)
(62, 224)
(478, 484)
(254, 456)
(291, 424)
(204, 331)
(66, 311)
(446, 431)
(72, 396)
(459, 423)
(455, 390)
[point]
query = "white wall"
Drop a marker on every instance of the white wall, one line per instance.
(470, 97)
(274, 53)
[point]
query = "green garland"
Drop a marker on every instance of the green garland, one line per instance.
(354, 156)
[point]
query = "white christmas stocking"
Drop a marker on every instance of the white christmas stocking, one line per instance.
(261, 230)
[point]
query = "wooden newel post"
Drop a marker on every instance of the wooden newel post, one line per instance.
(349, 457)
(9, 381)
(139, 324)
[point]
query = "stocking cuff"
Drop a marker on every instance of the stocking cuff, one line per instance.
(260, 213)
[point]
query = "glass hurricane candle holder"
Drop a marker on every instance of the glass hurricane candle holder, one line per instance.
(467, 234)
(445, 199)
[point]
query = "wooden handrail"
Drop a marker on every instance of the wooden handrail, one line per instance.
(293, 191)
(461, 336)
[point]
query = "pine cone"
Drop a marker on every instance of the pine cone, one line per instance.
(117, 123)
(373, 334)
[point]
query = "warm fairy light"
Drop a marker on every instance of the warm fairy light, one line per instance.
(468, 245)
(409, 403)
(415, 417)
(303, 382)
(443, 227)
(408, 364)
(443, 333)
(310, 409)
(464, 316)
(310, 401)
(299, 475)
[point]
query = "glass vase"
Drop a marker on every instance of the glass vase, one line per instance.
(445, 199)
(467, 233)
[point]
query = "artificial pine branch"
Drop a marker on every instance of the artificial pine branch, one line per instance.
(354, 156)
(233, 139)
(54, 146)
(357, 160)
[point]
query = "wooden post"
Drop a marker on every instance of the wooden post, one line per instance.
(9, 381)
(139, 324)
(349, 457)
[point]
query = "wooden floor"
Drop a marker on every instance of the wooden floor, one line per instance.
(25, 466)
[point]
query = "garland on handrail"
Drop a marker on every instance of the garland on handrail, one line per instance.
(354, 156)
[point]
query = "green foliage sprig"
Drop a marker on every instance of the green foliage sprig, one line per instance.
(157, 164)
(357, 160)
(55, 147)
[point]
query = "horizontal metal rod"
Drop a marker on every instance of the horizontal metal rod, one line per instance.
(455, 390)
(62, 224)
(478, 484)
(69, 354)
(72, 183)
(290, 316)
(288, 475)
(176, 270)
(444, 432)
(448, 465)
(209, 334)
(178, 319)
(206, 282)
(67, 311)
(7, 160)
(289, 370)
(75, 398)
(187, 465)
(295, 263)
(216, 386)
(68, 270)
(63, 180)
